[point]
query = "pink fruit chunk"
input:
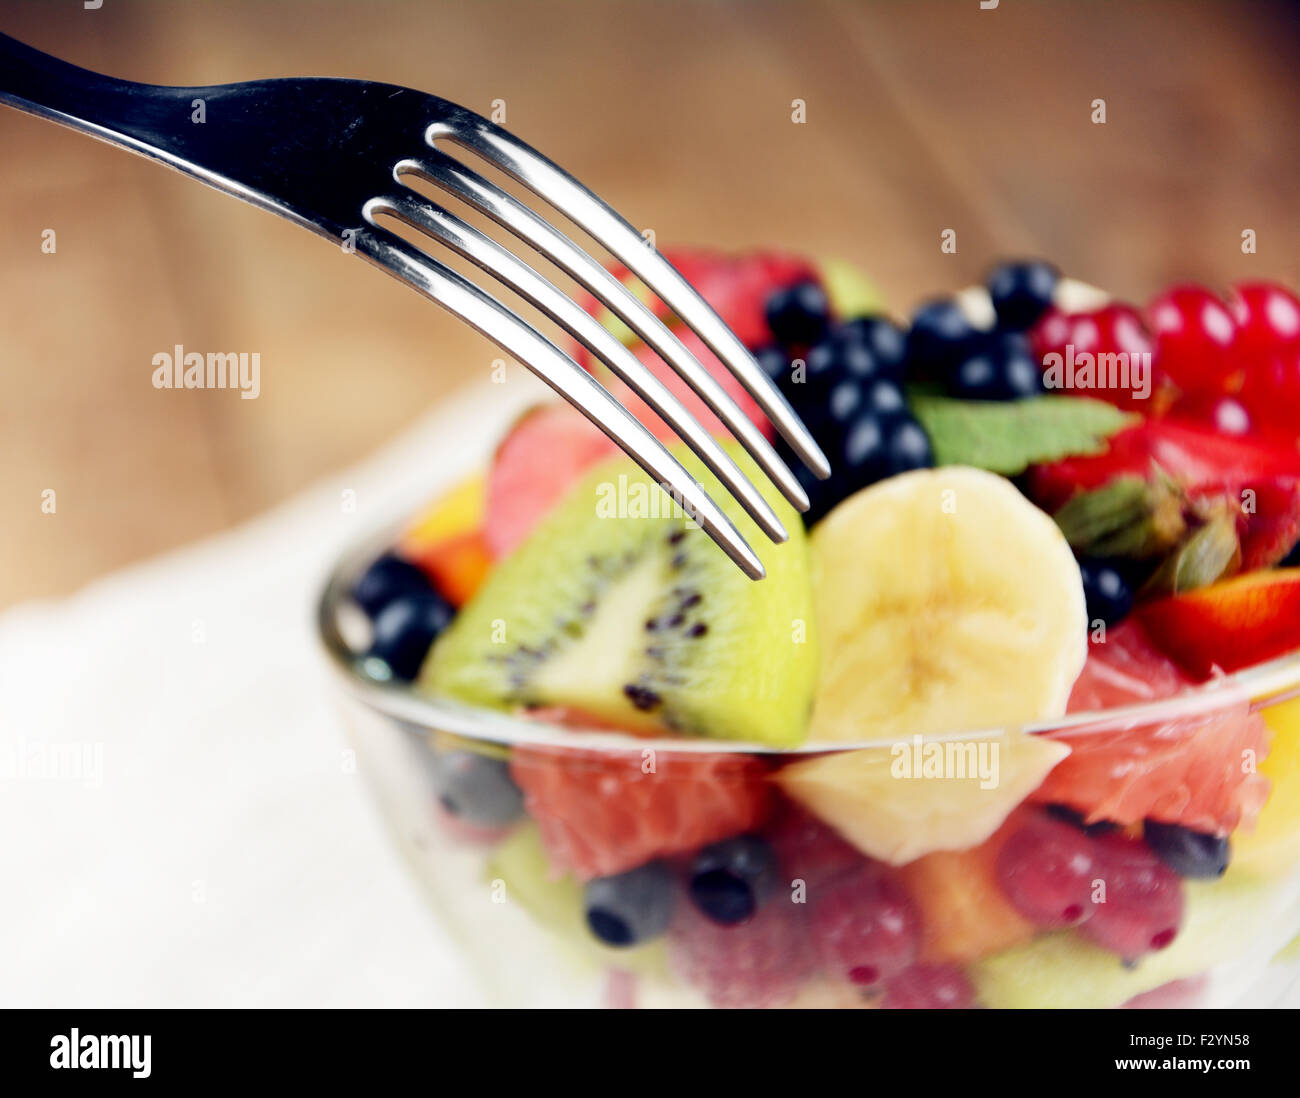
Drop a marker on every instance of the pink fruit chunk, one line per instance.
(929, 987)
(1047, 869)
(807, 850)
(866, 928)
(545, 453)
(1141, 904)
(683, 392)
(1125, 668)
(759, 963)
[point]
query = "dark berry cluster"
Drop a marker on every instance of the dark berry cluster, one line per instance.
(977, 364)
(846, 382)
(406, 613)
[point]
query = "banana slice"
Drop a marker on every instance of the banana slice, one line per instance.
(899, 803)
(945, 602)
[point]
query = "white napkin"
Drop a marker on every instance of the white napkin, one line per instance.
(180, 827)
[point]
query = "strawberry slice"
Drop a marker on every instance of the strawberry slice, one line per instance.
(601, 813)
(1231, 625)
(1259, 481)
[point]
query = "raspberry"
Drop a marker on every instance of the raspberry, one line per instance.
(601, 813)
(807, 850)
(759, 963)
(929, 987)
(1143, 905)
(1046, 870)
(865, 927)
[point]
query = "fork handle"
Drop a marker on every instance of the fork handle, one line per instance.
(118, 111)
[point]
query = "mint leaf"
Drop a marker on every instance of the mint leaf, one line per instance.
(1006, 437)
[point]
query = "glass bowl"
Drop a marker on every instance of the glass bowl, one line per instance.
(527, 930)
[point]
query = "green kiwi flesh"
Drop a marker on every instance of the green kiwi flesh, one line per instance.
(621, 607)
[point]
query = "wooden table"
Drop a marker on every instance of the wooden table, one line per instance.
(921, 117)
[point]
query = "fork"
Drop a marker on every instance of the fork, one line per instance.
(334, 156)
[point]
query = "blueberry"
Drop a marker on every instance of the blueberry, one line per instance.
(406, 627)
(843, 403)
(1107, 590)
(941, 336)
(1292, 559)
(822, 367)
(832, 360)
(1188, 853)
(632, 907)
(907, 447)
(1000, 367)
(798, 314)
(886, 341)
(476, 788)
(730, 879)
(384, 580)
(1022, 291)
(774, 362)
(884, 398)
(862, 456)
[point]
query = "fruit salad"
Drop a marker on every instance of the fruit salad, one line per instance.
(1006, 724)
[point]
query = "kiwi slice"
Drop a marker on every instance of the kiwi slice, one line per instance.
(621, 607)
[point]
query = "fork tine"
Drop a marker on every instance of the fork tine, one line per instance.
(521, 340)
(502, 264)
(553, 184)
(456, 179)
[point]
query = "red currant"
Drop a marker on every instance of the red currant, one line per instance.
(865, 927)
(1046, 869)
(1113, 329)
(929, 987)
(1267, 317)
(1141, 906)
(1194, 339)
(1226, 414)
(1271, 389)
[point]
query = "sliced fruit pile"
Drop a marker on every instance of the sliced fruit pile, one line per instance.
(1042, 501)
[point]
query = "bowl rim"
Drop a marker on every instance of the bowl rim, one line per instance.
(1264, 684)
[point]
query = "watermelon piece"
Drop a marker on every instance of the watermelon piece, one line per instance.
(543, 455)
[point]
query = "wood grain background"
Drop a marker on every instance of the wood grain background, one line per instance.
(921, 116)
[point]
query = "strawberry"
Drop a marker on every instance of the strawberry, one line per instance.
(1230, 625)
(1256, 482)
(736, 287)
(602, 813)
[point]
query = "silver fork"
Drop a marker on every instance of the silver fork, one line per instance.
(332, 155)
